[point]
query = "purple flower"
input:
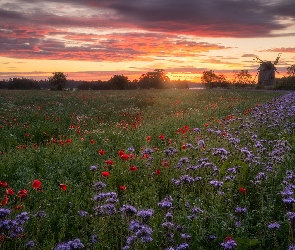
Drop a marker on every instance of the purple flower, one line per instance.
(241, 210)
(82, 213)
(145, 214)
(182, 246)
(4, 212)
(93, 168)
(99, 185)
(40, 214)
(216, 183)
(166, 202)
(274, 225)
(31, 243)
(128, 209)
(229, 244)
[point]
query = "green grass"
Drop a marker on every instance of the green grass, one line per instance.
(55, 137)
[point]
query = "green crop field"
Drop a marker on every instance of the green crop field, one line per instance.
(149, 169)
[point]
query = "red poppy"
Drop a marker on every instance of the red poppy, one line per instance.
(109, 162)
(63, 186)
(101, 152)
(92, 142)
(22, 194)
(242, 190)
(206, 125)
(105, 174)
(9, 191)
(36, 184)
(35, 146)
(18, 207)
(2, 238)
(162, 137)
(124, 156)
(3, 184)
(123, 188)
(131, 156)
(4, 201)
(158, 171)
(148, 138)
(133, 168)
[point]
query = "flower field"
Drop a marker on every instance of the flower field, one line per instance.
(154, 169)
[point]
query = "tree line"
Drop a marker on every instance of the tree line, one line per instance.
(156, 79)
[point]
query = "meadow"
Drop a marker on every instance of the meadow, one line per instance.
(152, 169)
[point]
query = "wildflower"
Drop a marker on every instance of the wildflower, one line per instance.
(93, 168)
(101, 152)
(109, 162)
(18, 207)
(166, 202)
(4, 201)
(105, 174)
(22, 193)
(63, 186)
(158, 171)
(128, 209)
(242, 190)
(105, 209)
(9, 191)
(82, 213)
(40, 214)
(3, 184)
(162, 137)
(274, 225)
(291, 247)
(241, 210)
(99, 185)
(145, 214)
(94, 239)
(92, 142)
(36, 184)
(133, 168)
(148, 138)
(229, 243)
(4, 212)
(182, 246)
(216, 183)
(123, 188)
(31, 243)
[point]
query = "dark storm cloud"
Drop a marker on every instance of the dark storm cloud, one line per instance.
(212, 18)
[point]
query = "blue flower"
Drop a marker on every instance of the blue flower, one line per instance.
(274, 225)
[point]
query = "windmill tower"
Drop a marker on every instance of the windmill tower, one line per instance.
(266, 71)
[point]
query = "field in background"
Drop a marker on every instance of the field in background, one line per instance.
(153, 169)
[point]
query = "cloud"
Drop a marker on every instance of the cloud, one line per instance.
(287, 50)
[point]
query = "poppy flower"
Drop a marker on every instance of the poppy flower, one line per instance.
(124, 156)
(4, 201)
(206, 125)
(242, 190)
(3, 184)
(18, 207)
(36, 184)
(63, 186)
(133, 168)
(162, 137)
(101, 152)
(158, 171)
(92, 142)
(105, 174)
(123, 188)
(9, 191)
(148, 138)
(109, 162)
(22, 193)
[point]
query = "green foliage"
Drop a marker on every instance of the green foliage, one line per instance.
(156, 79)
(211, 80)
(58, 81)
(119, 82)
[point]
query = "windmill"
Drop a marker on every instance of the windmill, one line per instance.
(266, 71)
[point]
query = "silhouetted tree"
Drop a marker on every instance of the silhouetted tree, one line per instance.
(58, 81)
(156, 79)
(119, 82)
(243, 78)
(211, 80)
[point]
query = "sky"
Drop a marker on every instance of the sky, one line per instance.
(96, 39)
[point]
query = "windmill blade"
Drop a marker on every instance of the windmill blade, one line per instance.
(277, 59)
(258, 59)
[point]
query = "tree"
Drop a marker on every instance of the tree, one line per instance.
(119, 82)
(156, 79)
(211, 80)
(291, 70)
(58, 81)
(243, 78)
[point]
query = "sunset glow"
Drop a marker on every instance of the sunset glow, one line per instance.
(93, 39)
